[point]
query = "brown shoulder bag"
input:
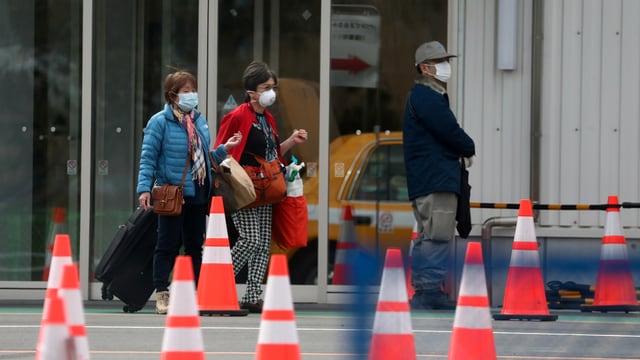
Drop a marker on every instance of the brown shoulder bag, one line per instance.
(168, 199)
(268, 181)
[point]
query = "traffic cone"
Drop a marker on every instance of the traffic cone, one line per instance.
(472, 335)
(217, 284)
(61, 257)
(182, 339)
(347, 244)
(525, 298)
(278, 337)
(74, 310)
(392, 333)
(614, 286)
(58, 226)
(54, 342)
(414, 236)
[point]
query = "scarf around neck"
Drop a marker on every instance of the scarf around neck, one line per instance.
(198, 172)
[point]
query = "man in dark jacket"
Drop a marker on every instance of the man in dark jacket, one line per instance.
(434, 145)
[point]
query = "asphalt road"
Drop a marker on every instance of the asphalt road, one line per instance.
(328, 332)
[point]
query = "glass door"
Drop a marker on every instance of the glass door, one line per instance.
(373, 44)
(136, 44)
(286, 35)
(40, 100)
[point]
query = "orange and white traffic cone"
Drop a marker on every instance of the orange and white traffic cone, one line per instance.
(54, 342)
(525, 298)
(414, 236)
(614, 286)
(217, 284)
(392, 333)
(278, 336)
(345, 248)
(472, 335)
(61, 257)
(182, 339)
(74, 310)
(58, 226)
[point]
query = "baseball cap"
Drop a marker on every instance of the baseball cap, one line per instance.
(431, 50)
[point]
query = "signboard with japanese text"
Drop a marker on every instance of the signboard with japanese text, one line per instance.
(355, 46)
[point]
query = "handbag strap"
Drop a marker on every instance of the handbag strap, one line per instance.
(214, 165)
(186, 167)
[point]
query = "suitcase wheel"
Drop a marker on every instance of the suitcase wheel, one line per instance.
(106, 293)
(131, 308)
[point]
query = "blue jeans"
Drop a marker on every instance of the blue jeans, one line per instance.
(187, 229)
(436, 218)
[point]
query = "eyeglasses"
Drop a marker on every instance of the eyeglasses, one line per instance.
(267, 87)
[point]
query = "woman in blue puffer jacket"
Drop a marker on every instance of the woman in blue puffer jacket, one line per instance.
(175, 138)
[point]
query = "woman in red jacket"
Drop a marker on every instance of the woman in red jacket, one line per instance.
(259, 137)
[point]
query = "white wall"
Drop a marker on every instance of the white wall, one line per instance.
(496, 108)
(589, 108)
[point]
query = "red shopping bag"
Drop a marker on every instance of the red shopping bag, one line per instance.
(290, 222)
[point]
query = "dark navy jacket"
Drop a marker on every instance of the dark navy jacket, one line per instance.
(434, 142)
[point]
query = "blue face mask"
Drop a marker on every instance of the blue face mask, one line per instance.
(187, 101)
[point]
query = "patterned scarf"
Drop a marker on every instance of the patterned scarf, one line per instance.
(270, 152)
(198, 172)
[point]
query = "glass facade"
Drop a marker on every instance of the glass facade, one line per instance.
(372, 70)
(40, 101)
(134, 44)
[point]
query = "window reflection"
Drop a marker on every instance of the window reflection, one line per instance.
(383, 176)
(136, 44)
(372, 53)
(40, 102)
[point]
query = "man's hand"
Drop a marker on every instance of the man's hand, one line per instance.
(468, 161)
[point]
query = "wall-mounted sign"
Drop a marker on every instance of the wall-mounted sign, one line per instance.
(355, 46)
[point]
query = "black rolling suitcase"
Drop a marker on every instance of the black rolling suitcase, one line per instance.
(126, 268)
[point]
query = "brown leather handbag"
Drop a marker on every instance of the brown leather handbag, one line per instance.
(168, 199)
(268, 181)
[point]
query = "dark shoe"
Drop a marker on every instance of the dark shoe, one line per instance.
(255, 308)
(416, 303)
(432, 300)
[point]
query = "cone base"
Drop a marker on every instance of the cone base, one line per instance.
(477, 344)
(386, 346)
(612, 308)
(278, 351)
(241, 312)
(549, 317)
(182, 355)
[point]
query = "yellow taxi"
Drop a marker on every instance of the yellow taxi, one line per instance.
(367, 174)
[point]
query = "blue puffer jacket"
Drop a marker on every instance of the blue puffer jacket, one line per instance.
(433, 144)
(165, 150)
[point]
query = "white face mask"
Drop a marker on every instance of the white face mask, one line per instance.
(443, 71)
(267, 98)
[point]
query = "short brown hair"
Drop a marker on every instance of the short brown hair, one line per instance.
(175, 81)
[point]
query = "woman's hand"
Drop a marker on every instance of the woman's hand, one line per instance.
(145, 200)
(299, 136)
(233, 141)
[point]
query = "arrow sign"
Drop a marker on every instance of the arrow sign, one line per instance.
(352, 64)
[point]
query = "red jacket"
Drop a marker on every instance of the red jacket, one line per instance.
(240, 119)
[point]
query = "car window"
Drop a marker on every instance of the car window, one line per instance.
(382, 176)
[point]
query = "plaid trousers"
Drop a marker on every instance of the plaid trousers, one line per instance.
(252, 247)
